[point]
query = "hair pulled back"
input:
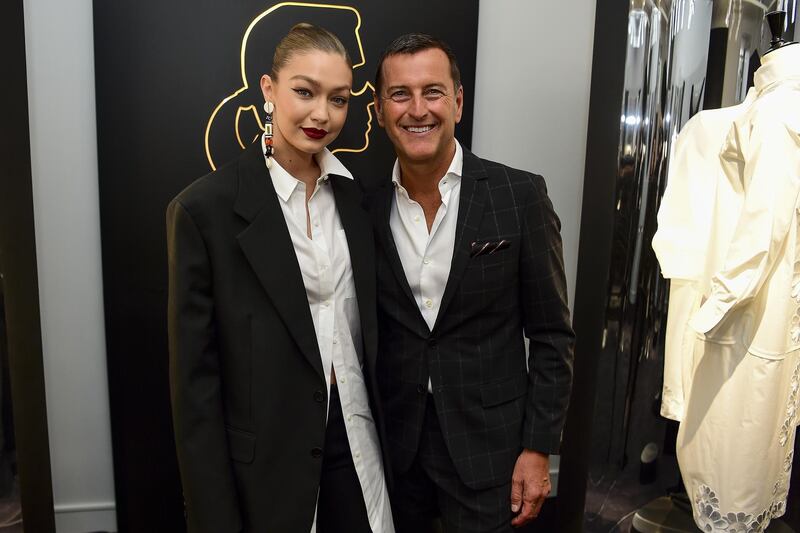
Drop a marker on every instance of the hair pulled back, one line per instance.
(303, 38)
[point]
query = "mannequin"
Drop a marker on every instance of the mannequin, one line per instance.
(737, 435)
(776, 21)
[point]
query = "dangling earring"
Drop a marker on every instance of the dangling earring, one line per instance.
(269, 107)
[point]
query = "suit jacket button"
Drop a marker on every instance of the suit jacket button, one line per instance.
(316, 452)
(319, 396)
(420, 389)
(432, 343)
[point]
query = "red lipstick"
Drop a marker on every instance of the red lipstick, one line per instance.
(314, 133)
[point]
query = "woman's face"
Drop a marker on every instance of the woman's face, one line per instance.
(310, 94)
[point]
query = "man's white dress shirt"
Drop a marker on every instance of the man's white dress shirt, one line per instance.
(426, 256)
(328, 278)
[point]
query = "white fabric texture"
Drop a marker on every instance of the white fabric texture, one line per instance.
(691, 241)
(736, 438)
(328, 278)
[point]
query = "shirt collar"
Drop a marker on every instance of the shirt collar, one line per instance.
(330, 165)
(455, 169)
(285, 184)
(779, 65)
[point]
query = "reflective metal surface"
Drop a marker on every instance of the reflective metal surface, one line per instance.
(738, 38)
(664, 83)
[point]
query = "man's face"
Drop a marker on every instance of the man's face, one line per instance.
(419, 107)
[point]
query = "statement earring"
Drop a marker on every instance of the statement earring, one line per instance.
(269, 107)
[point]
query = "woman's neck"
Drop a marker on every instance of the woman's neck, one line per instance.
(301, 166)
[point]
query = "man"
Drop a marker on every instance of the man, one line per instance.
(468, 260)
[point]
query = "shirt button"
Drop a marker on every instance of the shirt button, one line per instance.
(319, 396)
(426, 261)
(326, 303)
(316, 452)
(316, 223)
(341, 379)
(357, 455)
(416, 218)
(349, 418)
(335, 340)
(429, 303)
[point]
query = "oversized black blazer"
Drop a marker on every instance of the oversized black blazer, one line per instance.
(247, 386)
(491, 399)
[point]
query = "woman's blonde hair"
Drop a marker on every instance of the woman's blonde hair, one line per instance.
(305, 37)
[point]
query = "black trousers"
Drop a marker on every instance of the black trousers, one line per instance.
(432, 488)
(340, 508)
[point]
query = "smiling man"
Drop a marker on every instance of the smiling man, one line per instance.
(469, 261)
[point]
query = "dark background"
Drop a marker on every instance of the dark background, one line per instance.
(161, 69)
(20, 330)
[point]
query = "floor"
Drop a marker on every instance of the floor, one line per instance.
(614, 495)
(10, 511)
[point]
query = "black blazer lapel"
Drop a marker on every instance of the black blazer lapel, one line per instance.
(470, 212)
(356, 226)
(268, 247)
(381, 214)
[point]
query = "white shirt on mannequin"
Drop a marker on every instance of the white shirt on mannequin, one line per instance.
(698, 197)
(736, 439)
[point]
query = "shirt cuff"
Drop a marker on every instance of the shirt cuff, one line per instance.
(707, 317)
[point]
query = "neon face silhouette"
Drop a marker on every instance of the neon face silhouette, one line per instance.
(235, 122)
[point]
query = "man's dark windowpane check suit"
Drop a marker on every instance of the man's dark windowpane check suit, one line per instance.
(490, 398)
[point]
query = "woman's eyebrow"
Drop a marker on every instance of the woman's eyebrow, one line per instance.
(317, 84)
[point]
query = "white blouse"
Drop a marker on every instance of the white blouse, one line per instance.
(324, 260)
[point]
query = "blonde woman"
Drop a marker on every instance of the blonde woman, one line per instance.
(272, 321)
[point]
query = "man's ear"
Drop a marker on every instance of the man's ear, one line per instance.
(459, 103)
(378, 108)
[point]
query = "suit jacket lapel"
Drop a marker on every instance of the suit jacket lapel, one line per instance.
(268, 247)
(382, 213)
(470, 212)
(356, 226)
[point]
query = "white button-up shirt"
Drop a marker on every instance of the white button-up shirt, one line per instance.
(328, 278)
(742, 390)
(426, 256)
(698, 197)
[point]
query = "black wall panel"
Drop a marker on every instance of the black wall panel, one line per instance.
(164, 70)
(19, 285)
(597, 224)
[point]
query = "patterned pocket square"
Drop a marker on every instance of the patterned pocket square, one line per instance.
(488, 247)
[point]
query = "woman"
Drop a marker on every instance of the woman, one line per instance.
(271, 320)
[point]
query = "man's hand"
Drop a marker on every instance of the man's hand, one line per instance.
(530, 485)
